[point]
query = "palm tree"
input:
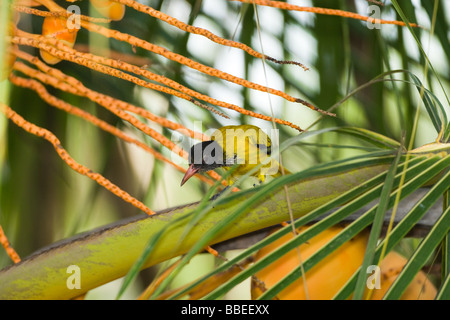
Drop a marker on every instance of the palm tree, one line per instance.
(364, 130)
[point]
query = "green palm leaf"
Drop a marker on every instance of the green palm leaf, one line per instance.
(331, 185)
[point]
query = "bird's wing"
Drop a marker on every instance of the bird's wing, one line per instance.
(242, 143)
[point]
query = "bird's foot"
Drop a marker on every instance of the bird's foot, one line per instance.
(214, 197)
(260, 183)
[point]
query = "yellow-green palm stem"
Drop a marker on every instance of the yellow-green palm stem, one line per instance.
(108, 253)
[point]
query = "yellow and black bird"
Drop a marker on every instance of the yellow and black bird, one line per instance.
(244, 145)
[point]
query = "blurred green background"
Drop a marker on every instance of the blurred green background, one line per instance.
(42, 200)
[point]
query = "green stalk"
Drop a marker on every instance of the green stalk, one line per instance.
(376, 227)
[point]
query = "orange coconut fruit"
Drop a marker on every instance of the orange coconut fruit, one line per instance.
(109, 9)
(419, 289)
(57, 27)
(327, 277)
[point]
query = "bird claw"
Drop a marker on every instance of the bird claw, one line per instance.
(214, 197)
(260, 183)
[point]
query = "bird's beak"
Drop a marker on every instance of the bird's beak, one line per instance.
(189, 173)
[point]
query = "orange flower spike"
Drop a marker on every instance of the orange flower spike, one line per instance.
(28, 3)
(332, 12)
(50, 137)
(109, 9)
(58, 28)
(101, 100)
(59, 13)
(204, 32)
(60, 104)
(7, 246)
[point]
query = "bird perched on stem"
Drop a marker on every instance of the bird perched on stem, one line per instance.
(245, 145)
